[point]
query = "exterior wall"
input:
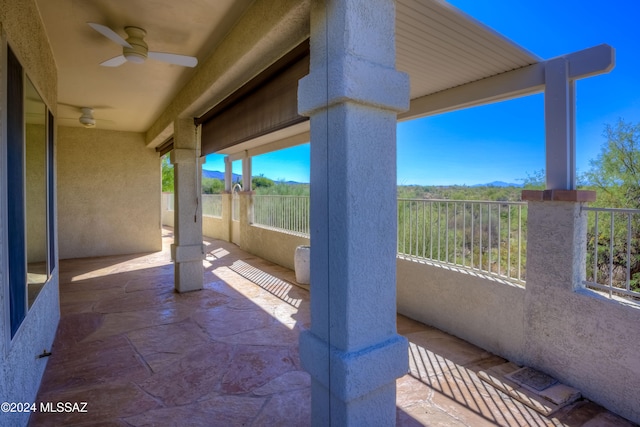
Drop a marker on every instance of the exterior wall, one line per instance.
(275, 246)
(109, 187)
(572, 333)
(589, 342)
(20, 369)
(215, 228)
(484, 311)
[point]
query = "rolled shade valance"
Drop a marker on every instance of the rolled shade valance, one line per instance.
(267, 103)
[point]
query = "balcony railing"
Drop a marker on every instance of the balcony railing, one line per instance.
(613, 243)
(169, 198)
(479, 235)
(212, 205)
(286, 213)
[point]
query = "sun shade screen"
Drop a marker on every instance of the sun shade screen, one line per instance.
(267, 103)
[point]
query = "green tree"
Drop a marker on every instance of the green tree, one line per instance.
(167, 175)
(212, 186)
(615, 173)
(261, 182)
(535, 180)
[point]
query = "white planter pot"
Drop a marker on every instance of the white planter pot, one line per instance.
(302, 263)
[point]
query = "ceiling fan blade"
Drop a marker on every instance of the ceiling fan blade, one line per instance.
(172, 58)
(114, 62)
(109, 33)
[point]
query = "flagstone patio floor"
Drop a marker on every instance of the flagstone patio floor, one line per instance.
(140, 354)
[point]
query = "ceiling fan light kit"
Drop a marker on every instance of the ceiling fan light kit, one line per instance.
(86, 118)
(136, 50)
(137, 53)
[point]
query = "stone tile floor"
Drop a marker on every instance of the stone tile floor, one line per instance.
(140, 354)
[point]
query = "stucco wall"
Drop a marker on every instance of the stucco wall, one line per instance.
(572, 333)
(215, 228)
(108, 193)
(20, 369)
(484, 311)
(274, 246)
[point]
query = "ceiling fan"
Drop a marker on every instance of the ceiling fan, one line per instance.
(134, 48)
(86, 119)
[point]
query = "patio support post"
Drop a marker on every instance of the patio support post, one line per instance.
(352, 95)
(228, 174)
(246, 201)
(187, 251)
(246, 173)
(559, 116)
(556, 235)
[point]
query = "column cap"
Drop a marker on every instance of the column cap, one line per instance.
(558, 196)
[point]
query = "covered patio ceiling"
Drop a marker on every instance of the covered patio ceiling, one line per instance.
(439, 46)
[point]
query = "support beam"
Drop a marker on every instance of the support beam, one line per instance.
(187, 251)
(523, 81)
(559, 117)
(228, 174)
(352, 95)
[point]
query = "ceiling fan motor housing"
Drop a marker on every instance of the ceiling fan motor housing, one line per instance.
(137, 53)
(86, 118)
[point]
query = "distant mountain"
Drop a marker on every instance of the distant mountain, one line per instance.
(498, 184)
(235, 177)
(219, 175)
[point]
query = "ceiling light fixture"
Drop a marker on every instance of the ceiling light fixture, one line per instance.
(86, 118)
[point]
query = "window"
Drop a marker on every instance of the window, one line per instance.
(30, 192)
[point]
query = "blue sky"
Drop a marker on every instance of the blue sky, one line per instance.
(505, 141)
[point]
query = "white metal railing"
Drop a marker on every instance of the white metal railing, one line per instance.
(212, 205)
(288, 213)
(480, 235)
(168, 201)
(613, 246)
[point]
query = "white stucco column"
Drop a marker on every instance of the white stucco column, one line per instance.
(559, 117)
(187, 251)
(228, 174)
(352, 95)
(246, 173)
(556, 232)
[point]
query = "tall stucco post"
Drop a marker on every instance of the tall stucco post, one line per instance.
(352, 95)
(556, 232)
(187, 250)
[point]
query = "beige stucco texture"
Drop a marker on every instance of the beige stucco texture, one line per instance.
(108, 193)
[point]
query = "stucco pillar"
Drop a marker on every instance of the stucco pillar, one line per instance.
(246, 216)
(187, 250)
(228, 174)
(556, 240)
(246, 173)
(560, 125)
(352, 95)
(226, 216)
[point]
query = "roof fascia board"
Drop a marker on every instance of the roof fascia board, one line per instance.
(512, 84)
